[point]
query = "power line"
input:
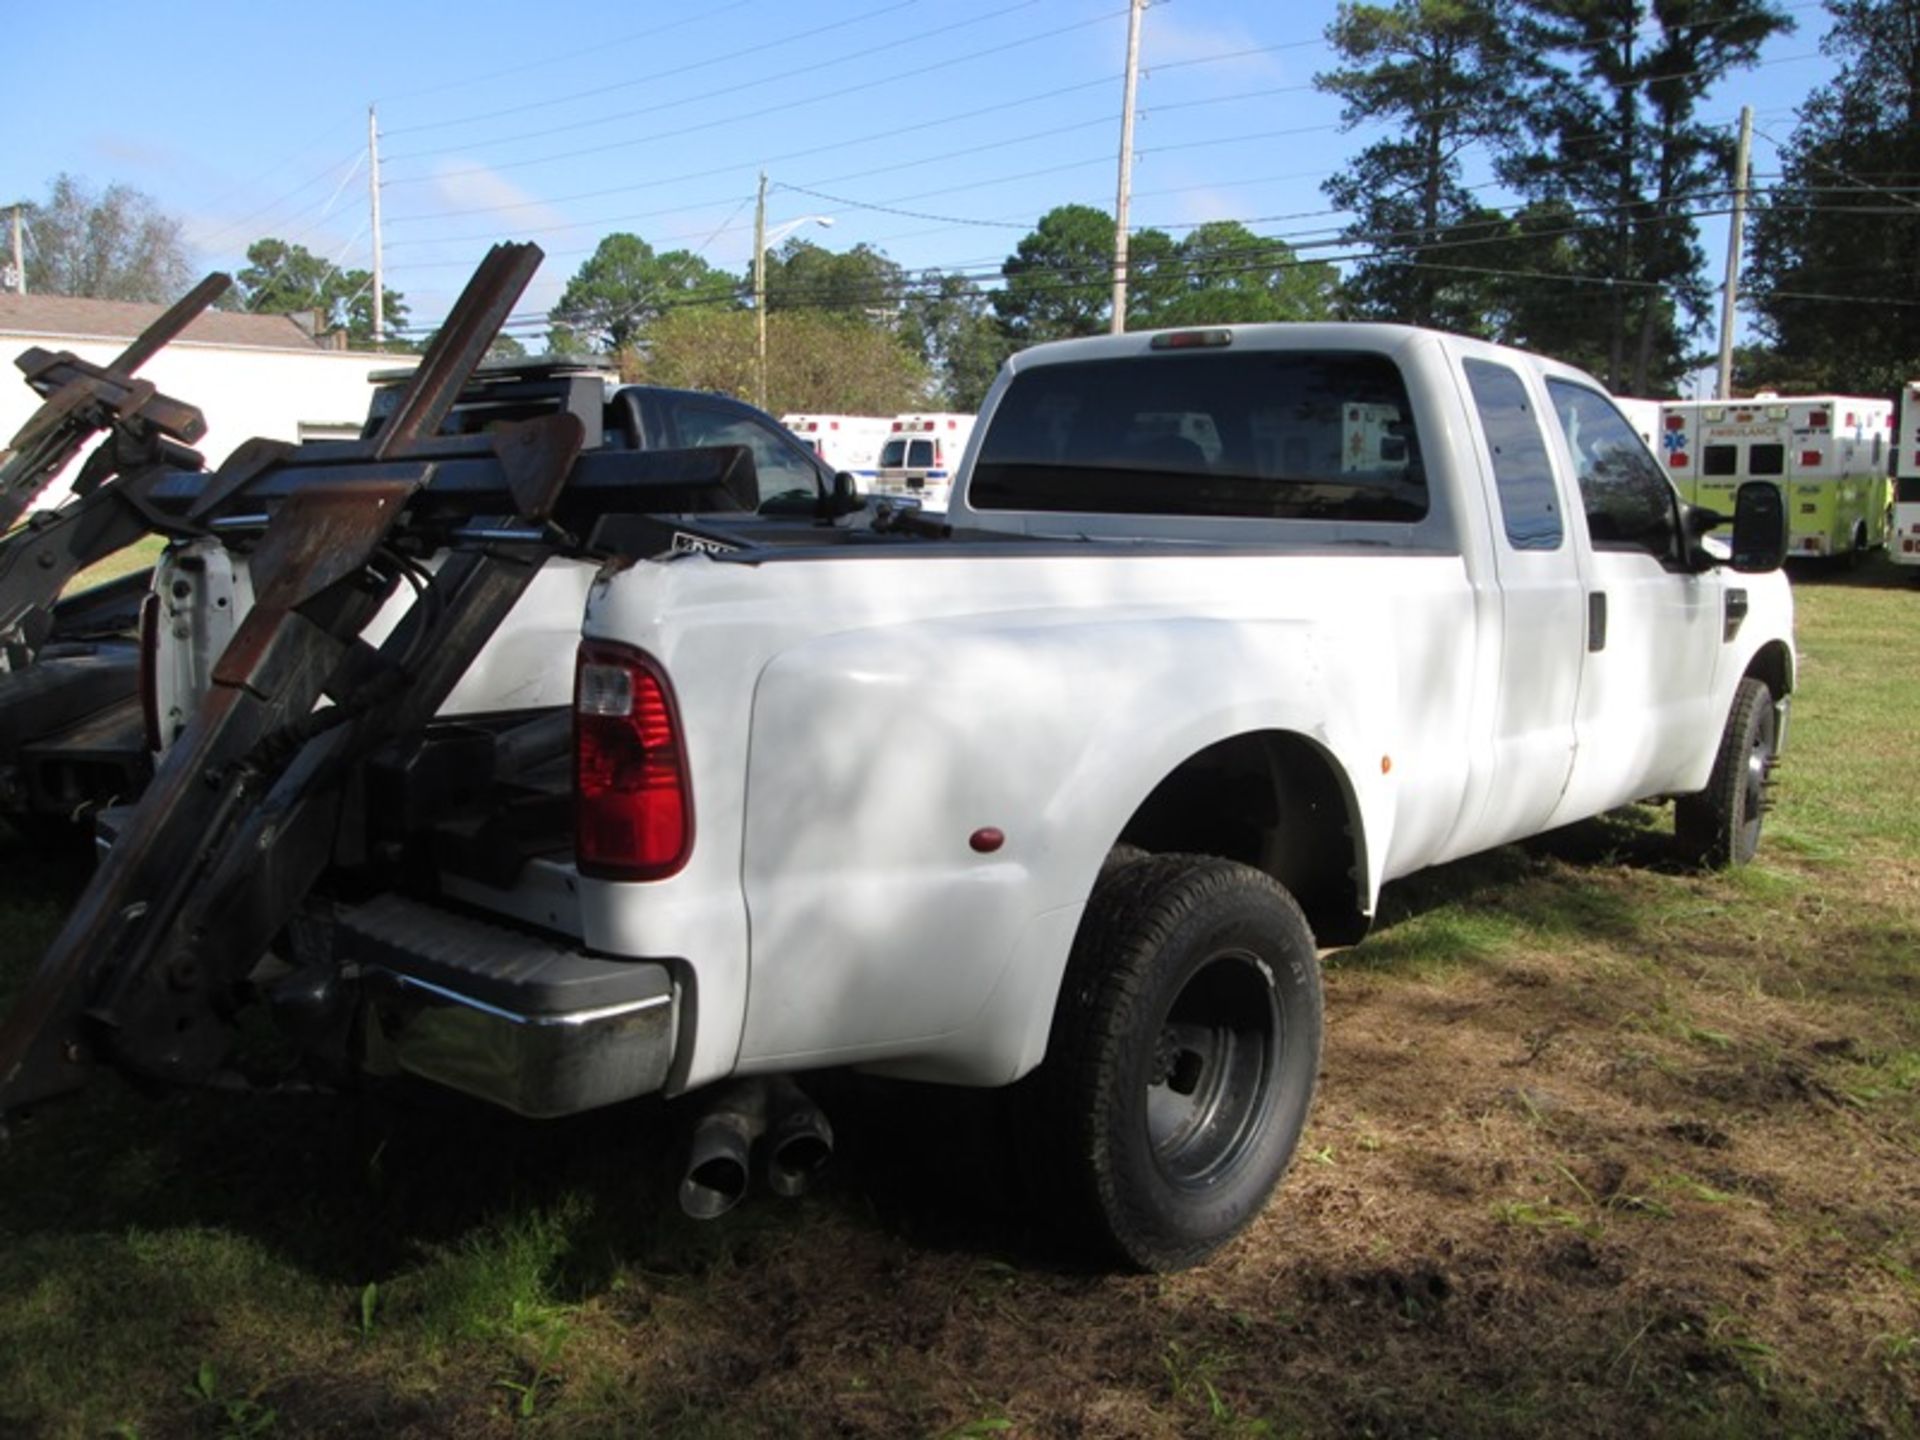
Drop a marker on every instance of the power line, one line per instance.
(895, 206)
(672, 72)
(353, 161)
(600, 48)
(1257, 260)
(633, 141)
(758, 83)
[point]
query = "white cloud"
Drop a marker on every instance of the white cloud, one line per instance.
(462, 185)
(135, 152)
(1197, 205)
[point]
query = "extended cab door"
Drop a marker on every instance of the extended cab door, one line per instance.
(1653, 627)
(1542, 611)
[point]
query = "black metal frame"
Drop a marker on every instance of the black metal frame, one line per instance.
(242, 815)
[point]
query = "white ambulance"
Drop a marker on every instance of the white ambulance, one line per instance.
(920, 455)
(846, 442)
(1903, 536)
(1828, 453)
(1644, 416)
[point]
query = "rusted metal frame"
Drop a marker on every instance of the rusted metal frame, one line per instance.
(303, 624)
(167, 1019)
(162, 332)
(81, 400)
(310, 609)
(38, 560)
(459, 346)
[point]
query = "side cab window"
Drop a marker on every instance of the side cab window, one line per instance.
(1629, 504)
(1522, 471)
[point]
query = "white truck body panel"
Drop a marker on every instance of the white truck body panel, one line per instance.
(886, 709)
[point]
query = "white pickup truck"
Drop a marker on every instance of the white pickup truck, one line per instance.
(1225, 629)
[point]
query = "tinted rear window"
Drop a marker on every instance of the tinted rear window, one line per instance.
(1295, 435)
(1767, 460)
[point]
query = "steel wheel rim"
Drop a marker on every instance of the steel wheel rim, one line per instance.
(1754, 782)
(1210, 1074)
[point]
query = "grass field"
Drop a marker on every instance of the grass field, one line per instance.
(1603, 1147)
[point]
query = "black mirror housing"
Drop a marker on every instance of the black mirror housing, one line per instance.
(1759, 527)
(845, 497)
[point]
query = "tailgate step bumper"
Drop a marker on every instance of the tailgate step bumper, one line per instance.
(522, 1020)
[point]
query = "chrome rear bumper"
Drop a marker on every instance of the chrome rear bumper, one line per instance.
(519, 1020)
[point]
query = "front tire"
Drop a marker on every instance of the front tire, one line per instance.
(1183, 1056)
(1721, 825)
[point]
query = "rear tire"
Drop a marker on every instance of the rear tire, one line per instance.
(1720, 826)
(1183, 1056)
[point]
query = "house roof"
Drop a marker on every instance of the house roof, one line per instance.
(66, 317)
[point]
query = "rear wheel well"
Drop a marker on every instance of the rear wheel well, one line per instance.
(1273, 800)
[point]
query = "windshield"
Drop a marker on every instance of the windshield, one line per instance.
(1265, 434)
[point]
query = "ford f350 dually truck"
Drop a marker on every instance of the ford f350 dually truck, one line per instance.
(560, 781)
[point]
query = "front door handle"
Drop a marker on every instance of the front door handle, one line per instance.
(1596, 621)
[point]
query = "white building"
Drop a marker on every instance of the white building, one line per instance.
(249, 374)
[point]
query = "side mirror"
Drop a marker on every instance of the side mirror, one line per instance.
(1696, 521)
(842, 497)
(1759, 527)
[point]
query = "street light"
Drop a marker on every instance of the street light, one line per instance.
(761, 240)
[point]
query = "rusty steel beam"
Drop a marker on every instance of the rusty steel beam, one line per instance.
(237, 823)
(459, 346)
(167, 1019)
(273, 673)
(81, 400)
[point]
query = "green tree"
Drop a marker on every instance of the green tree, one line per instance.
(1841, 221)
(949, 323)
(286, 279)
(861, 282)
(1531, 270)
(815, 361)
(114, 244)
(1444, 74)
(623, 287)
(1223, 274)
(1612, 115)
(1059, 280)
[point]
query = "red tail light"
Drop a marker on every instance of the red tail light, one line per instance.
(633, 805)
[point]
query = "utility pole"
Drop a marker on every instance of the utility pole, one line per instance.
(1119, 322)
(19, 257)
(760, 295)
(373, 193)
(1731, 293)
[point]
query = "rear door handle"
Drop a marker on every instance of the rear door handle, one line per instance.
(1596, 621)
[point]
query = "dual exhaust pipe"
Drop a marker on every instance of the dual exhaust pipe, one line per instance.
(795, 1141)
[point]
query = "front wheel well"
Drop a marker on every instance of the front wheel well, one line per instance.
(1772, 665)
(1274, 800)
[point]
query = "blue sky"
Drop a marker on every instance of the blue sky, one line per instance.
(934, 130)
